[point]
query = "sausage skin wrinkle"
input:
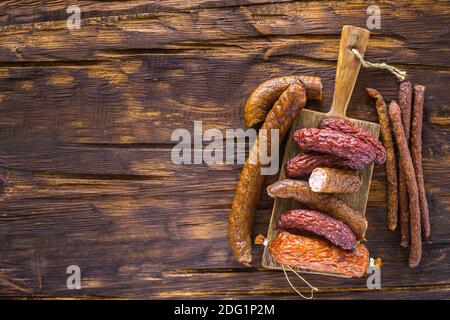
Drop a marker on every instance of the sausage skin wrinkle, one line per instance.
(304, 163)
(335, 142)
(335, 231)
(349, 127)
(280, 117)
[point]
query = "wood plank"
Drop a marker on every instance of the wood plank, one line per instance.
(125, 230)
(134, 26)
(45, 163)
(123, 274)
(403, 293)
(102, 104)
(14, 13)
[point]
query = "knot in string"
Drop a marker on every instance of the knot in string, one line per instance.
(399, 74)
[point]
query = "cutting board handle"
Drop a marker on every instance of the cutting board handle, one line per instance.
(347, 67)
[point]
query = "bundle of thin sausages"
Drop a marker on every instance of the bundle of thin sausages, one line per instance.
(408, 192)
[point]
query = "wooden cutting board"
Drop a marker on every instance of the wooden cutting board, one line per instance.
(347, 71)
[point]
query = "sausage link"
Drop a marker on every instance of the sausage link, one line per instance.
(337, 232)
(326, 203)
(334, 142)
(349, 127)
(242, 212)
(404, 99)
(264, 96)
(391, 170)
(318, 255)
(330, 180)
(411, 183)
(416, 153)
(304, 163)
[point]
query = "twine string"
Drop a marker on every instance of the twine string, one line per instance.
(399, 74)
(295, 289)
(260, 239)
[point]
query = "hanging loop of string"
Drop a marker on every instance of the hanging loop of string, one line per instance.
(399, 74)
(295, 289)
(260, 239)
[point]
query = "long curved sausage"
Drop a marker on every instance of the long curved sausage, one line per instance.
(264, 96)
(280, 117)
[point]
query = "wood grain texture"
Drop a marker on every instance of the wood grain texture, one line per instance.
(85, 137)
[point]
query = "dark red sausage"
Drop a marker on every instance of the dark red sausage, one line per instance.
(321, 224)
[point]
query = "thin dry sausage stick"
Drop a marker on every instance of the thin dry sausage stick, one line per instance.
(326, 203)
(415, 253)
(404, 98)
(416, 153)
(264, 96)
(391, 170)
(242, 213)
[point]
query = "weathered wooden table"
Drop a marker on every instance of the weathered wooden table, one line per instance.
(86, 118)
